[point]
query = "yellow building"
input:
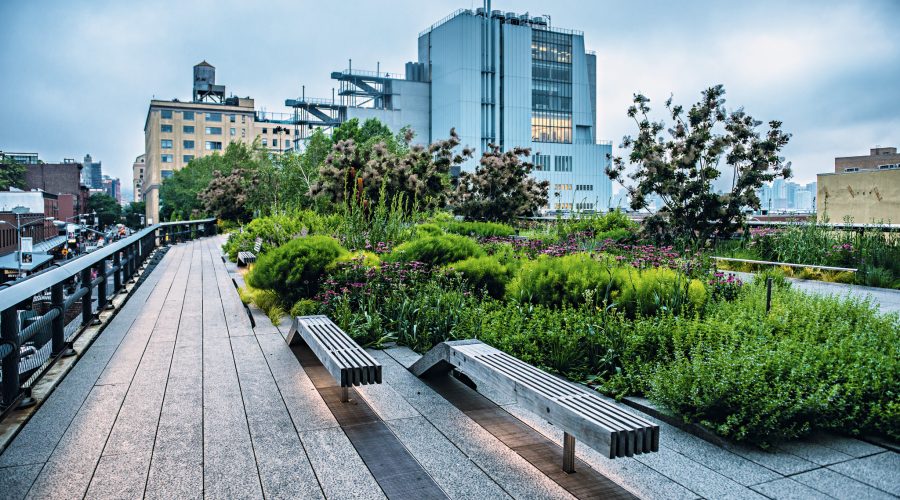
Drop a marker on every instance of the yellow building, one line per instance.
(175, 132)
(864, 195)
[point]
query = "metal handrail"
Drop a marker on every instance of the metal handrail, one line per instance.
(125, 256)
(787, 264)
(29, 288)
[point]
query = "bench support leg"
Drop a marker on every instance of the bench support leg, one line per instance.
(345, 394)
(568, 453)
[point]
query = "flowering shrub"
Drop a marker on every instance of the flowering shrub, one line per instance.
(725, 287)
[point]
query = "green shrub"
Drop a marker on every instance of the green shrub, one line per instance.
(813, 363)
(649, 291)
(304, 307)
(484, 273)
(557, 281)
(436, 250)
(428, 229)
(478, 229)
(367, 260)
(613, 225)
(294, 270)
(274, 231)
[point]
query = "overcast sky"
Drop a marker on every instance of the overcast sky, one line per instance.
(77, 75)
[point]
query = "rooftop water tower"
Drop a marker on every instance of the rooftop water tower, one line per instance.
(205, 88)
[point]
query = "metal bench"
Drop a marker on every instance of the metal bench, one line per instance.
(580, 413)
(247, 258)
(344, 359)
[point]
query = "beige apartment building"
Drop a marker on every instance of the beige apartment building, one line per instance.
(864, 188)
(137, 177)
(176, 132)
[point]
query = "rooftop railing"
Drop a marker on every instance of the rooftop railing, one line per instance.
(39, 315)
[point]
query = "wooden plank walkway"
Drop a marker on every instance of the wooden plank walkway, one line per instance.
(180, 397)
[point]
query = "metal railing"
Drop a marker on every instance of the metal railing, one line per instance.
(43, 308)
(786, 264)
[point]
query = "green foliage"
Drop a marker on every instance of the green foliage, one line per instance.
(294, 270)
(12, 173)
(274, 230)
(484, 273)
(436, 250)
(366, 260)
(133, 213)
(682, 168)
(266, 300)
(814, 362)
(501, 188)
(478, 229)
(305, 307)
(360, 227)
(108, 209)
(562, 281)
(427, 229)
(613, 225)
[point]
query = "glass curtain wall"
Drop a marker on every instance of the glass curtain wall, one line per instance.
(551, 94)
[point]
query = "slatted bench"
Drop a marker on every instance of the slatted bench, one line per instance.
(578, 412)
(247, 258)
(344, 359)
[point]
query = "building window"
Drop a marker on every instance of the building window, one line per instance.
(243, 118)
(188, 129)
(213, 117)
(165, 143)
(265, 142)
(187, 159)
(213, 145)
(584, 206)
(188, 144)
(265, 130)
(562, 187)
(551, 82)
(274, 143)
(214, 130)
(244, 132)
(166, 158)
(187, 115)
(165, 114)
(231, 117)
(584, 187)
(542, 162)
(167, 173)
(563, 164)
(165, 128)
(233, 131)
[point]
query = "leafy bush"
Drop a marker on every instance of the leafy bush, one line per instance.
(294, 270)
(274, 230)
(560, 281)
(814, 362)
(305, 307)
(368, 260)
(478, 229)
(436, 250)
(614, 225)
(649, 291)
(483, 273)
(427, 229)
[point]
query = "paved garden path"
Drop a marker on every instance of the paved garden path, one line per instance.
(887, 300)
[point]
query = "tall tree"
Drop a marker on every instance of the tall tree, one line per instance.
(133, 213)
(226, 196)
(108, 209)
(682, 165)
(501, 188)
(12, 173)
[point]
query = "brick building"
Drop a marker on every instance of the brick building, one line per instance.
(64, 180)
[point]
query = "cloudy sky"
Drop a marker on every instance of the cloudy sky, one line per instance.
(77, 75)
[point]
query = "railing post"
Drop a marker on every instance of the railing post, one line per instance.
(101, 287)
(58, 326)
(86, 315)
(9, 335)
(117, 275)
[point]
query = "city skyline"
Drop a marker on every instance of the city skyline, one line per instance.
(827, 74)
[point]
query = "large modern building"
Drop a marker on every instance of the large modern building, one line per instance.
(865, 189)
(497, 78)
(175, 132)
(92, 173)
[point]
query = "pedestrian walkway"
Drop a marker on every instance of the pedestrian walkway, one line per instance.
(183, 396)
(886, 299)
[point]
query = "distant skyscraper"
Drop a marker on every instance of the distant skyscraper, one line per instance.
(92, 173)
